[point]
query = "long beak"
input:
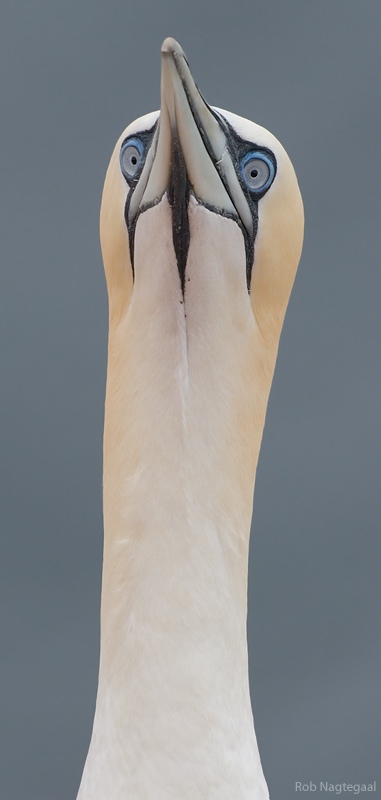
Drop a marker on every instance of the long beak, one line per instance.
(188, 122)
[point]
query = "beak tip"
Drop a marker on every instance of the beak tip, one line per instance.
(171, 47)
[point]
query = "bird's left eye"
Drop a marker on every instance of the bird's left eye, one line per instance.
(131, 156)
(257, 170)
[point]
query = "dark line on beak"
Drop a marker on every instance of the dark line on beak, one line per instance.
(178, 197)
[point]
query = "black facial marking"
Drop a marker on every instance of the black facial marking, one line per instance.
(146, 138)
(178, 197)
(131, 232)
(238, 148)
(178, 192)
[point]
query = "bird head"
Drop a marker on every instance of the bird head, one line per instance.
(202, 163)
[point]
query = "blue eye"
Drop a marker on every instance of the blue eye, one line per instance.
(258, 171)
(131, 156)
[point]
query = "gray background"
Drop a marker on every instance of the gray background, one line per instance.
(73, 74)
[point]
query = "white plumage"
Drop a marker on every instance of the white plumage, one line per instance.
(191, 359)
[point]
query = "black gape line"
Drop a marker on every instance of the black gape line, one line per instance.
(238, 148)
(146, 138)
(179, 191)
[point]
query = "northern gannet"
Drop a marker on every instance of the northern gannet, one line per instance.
(201, 231)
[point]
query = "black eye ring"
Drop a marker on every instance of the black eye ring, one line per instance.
(258, 171)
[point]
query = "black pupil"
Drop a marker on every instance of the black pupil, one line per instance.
(254, 173)
(134, 160)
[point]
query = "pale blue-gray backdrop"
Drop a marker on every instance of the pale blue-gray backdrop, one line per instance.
(73, 74)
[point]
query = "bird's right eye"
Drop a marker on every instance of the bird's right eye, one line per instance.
(131, 156)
